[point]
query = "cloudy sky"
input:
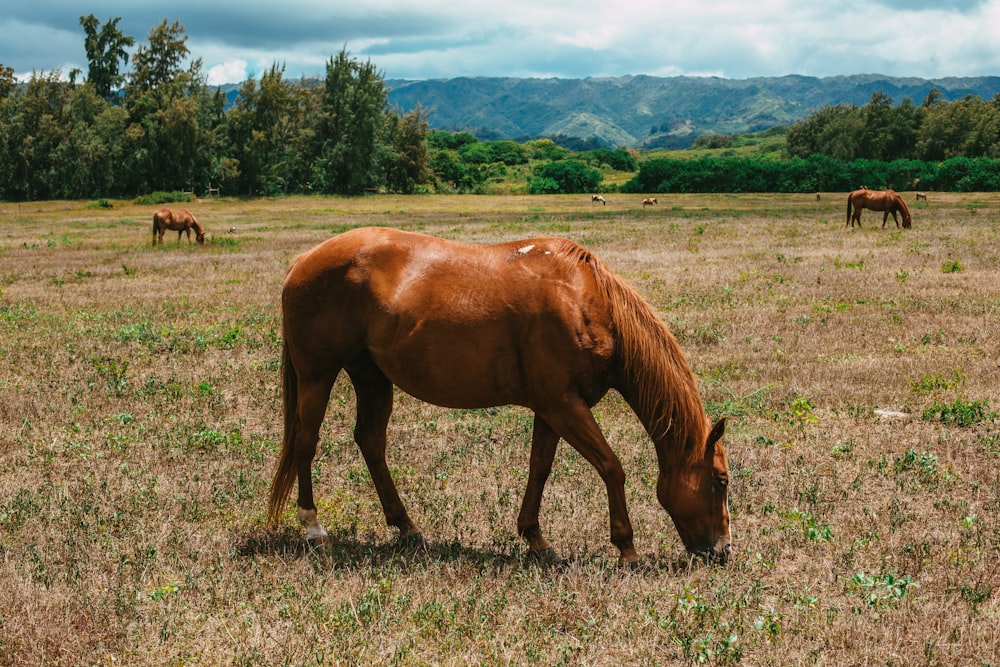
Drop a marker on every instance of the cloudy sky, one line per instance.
(424, 39)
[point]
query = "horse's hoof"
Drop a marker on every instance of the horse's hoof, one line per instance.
(637, 565)
(320, 544)
(412, 541)
(546, 556)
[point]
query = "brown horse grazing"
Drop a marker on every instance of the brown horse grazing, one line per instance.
(181, 221)
(539, 323)
(887, 201)
(648, 202)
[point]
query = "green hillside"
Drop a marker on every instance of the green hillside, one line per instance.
(651, 112)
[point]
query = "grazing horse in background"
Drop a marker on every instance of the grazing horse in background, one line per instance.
(539, 323)
(180, 221)
(921, 196)
(887, 201)
(598, 198)
(649, 201)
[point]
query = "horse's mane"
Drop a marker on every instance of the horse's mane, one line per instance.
(666, 395)
(194, 223)
(901, 203)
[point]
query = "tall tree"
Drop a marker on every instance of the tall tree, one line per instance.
(106, 48)
(7, 81)
(351, 125)
(159, 63)
(409, 163)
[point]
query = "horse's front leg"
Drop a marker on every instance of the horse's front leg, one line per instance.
(576, 424)
(543, 451)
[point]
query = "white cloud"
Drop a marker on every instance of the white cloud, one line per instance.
(228, 72)
(565, 38)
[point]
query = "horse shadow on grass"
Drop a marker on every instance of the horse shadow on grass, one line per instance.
(344, 552)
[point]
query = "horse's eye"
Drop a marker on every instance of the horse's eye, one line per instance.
(723, 481)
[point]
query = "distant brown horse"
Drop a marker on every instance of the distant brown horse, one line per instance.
(539, 323)
(649, 201)
(887, 201)
(181, 221)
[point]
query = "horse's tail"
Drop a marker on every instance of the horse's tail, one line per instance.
(156, 225)
(848, 210)
(285, 475)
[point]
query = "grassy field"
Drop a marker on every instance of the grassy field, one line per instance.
(858, 369)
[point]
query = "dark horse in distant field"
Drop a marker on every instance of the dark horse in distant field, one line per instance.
(539, 323)
(180, 221)
(887, 201)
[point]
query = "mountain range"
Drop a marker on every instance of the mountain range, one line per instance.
(651, 112)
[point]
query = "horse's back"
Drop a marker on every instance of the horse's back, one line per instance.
(452, 323)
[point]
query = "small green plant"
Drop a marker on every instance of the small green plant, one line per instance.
(162, 592)
(959, 412)
(952, 266)
(843, 448)
(925, 464)
(929, 383)
(802, 412)
(769, 623)
(881, 591)
(113, 371)
(812, 530)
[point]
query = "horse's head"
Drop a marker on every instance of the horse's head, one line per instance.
(200, 236)
(696, 497)
(907, 220)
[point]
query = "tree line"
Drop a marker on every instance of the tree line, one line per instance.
(937, 146)
(934, 131)
(142, 122)
(816, 173)
(160, 127)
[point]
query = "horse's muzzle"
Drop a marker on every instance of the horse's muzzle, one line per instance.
(716, 555)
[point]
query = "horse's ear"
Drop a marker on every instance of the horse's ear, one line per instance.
(716, 433)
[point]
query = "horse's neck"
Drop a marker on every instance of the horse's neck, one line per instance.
(670, 412)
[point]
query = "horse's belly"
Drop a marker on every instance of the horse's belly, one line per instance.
(457, 370)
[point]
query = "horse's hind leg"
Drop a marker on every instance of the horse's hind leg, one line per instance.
(374, 398)
(543, 451)
(312, 401)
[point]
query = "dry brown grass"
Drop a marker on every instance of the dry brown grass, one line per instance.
(139, 423)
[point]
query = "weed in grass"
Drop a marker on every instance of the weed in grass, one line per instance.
(880, 591)
(929, 383)
(811, 529)
(952, 266)
(801, 410)
(924, 464)
(960, 413)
